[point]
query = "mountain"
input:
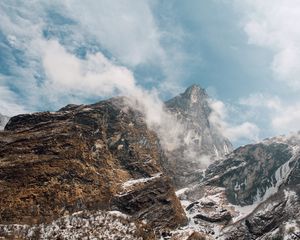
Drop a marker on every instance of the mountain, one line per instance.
(3, 121)
(201, 142)
(251, 194)
(98, 172)
(84, 165)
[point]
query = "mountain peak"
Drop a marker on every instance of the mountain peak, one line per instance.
(194, 93)
(195, 87)
(199, 138)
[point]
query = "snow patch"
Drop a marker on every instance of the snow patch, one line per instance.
(133, 182)
(281, 175)
(81, 225)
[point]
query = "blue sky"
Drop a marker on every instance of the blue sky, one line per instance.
(245, 53)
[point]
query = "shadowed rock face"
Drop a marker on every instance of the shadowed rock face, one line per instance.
(275, 218)
(201, 142)
(257, 189)
(80, 158)
(249, 171)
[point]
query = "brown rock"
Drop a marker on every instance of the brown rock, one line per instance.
(54, 164)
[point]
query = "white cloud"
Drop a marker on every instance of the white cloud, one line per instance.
(283, 117)
(274, 24)
(127, 31)
(8, 105)
(93, 76)
(287, 120)
(235, 132)
(130, 32)
(261, 100)
(126, 28)
(96, 75)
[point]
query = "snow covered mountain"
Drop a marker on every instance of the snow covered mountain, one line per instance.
(3, 121)
(252, 194)
(97, 171)
(201, 143)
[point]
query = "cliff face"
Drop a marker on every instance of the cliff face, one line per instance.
(253, 193)
(251, 170)
(88, 157)
(271, 186)
(91, 171)
(201, 143)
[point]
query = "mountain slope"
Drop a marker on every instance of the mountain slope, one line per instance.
(201, 143)
(88, 157)
(254, 193)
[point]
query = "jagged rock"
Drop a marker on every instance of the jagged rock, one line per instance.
(258, 188)
(250, 171)
(223, 216)
(142, 200)
(80, 158)
(201, 142)
(276, 217)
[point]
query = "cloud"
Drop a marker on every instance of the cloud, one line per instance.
(258, 100)
(8, 106)
(126, 28)
(118, 37)
(274, 24)
(95, 75)
(125, 34)
(281, 117)
(134, 35)
(53, 74)
(287, 120)
(234, 132)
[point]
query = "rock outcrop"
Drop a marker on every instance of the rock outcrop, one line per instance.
(201, 143)
(275, 218)
(97, 171)
(252, 194)
(84, 158)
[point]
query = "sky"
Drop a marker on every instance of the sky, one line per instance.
(246, 54)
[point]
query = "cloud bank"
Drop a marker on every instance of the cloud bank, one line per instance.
(124, 33)
(72, 52)
(283, 117)
(273, 24)
(243, 131)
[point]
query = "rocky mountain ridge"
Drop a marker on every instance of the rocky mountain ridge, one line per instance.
(97, 171)
(201, 143)
(84, 158)
(254, 193)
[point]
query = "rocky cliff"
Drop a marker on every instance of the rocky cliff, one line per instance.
(97, 171)
(254, 193)
(98, 157)
(201, 143)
